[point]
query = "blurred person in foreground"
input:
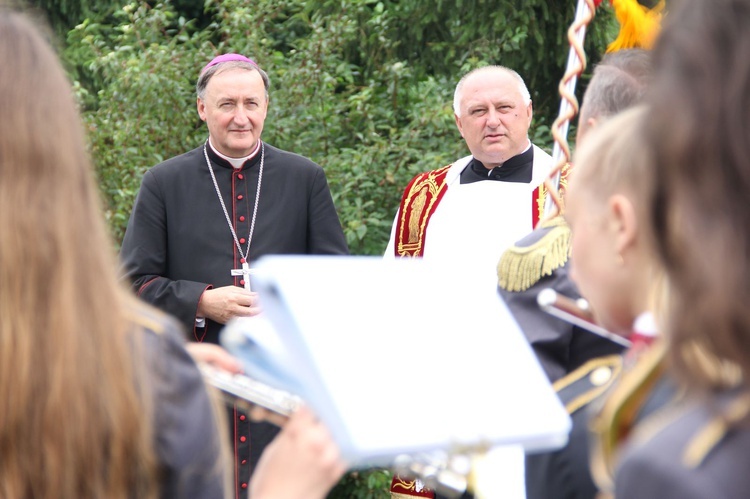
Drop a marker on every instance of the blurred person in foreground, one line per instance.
(540, 259)
(614, 265)
(570, 354)
(96, 385)
(698, 130)
(100, 396)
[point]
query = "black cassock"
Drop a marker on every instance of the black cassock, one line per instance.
(178, 242)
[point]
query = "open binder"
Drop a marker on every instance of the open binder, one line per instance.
(397, 357)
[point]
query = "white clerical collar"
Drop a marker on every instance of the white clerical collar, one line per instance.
(235, 162)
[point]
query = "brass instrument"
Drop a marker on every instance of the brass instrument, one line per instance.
(263, 402)
(576, 312)
(444, 472)
(479, 469)
(448, 472)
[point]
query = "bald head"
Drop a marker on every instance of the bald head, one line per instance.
(501, 72)
(493, 113)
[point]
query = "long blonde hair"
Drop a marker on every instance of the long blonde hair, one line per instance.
(71, 410)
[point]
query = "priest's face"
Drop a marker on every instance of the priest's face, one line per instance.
(493, 117)
(234, 108)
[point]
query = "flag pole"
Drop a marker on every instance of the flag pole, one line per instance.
(568, 107)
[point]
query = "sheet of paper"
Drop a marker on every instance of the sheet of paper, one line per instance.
(407, 356)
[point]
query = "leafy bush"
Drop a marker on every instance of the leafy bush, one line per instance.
(361, 87)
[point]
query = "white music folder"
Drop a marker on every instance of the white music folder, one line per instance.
(397, 357)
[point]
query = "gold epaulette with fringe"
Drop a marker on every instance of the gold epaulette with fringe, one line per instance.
(537, 255)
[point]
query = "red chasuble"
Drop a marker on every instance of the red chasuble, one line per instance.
(420, 200)
(418, 203)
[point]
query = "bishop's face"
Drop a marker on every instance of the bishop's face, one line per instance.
(494, 120)
(234, 108)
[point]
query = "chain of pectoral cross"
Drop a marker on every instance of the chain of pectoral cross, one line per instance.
(245, 271)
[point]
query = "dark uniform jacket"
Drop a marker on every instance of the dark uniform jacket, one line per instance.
(688, 453)
(188, 441)
(560, 346)
(564, 474)
(607, 399)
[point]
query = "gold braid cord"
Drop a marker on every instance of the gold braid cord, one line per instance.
(554, 185)
(521, 266)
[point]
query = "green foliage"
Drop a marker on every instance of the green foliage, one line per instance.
(62, 15)
(138, 97)
(362, 87)
(363, 484)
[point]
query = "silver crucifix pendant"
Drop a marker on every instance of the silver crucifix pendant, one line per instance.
(245, 273)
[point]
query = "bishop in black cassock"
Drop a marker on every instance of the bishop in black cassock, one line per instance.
(178, 242)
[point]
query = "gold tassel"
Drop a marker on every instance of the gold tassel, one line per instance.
(522, 267)
(639, 25)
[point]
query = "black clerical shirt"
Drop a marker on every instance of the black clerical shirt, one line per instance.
(517, 169)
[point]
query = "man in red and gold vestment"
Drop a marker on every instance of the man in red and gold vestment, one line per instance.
(467, 213)
(470, 211)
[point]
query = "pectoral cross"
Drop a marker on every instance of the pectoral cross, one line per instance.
(245, 273)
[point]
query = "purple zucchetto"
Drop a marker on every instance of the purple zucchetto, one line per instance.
(227, 58)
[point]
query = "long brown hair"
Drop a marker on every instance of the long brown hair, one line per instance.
(700, 132)
(72, 419)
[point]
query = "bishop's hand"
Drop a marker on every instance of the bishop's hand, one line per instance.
(225, 303)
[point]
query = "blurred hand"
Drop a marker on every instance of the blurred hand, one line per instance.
(214, 355)
(302, 462)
